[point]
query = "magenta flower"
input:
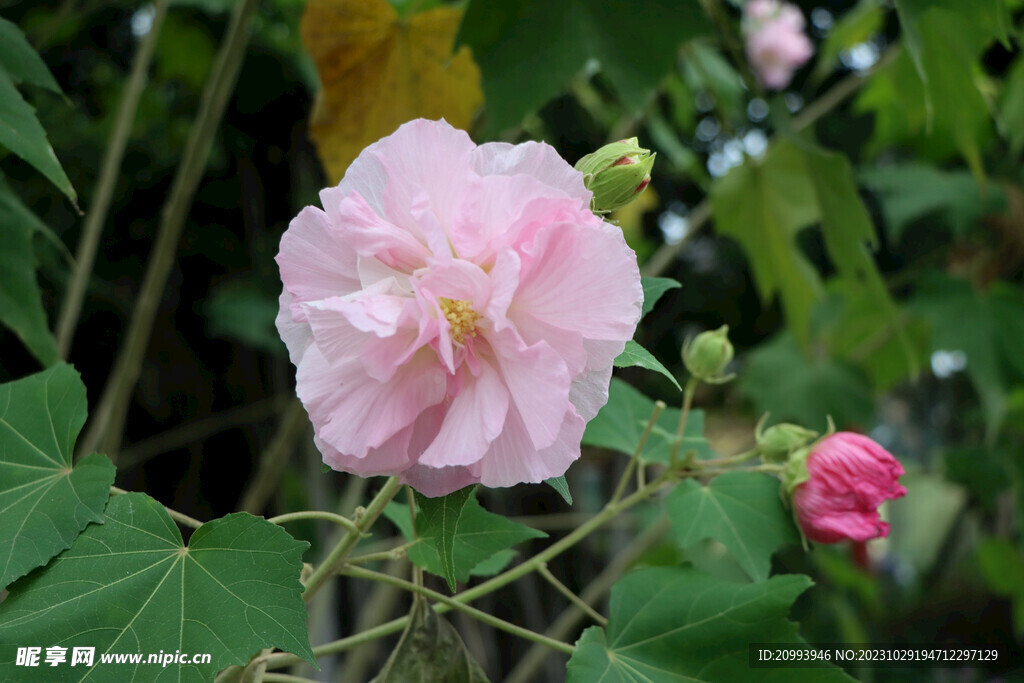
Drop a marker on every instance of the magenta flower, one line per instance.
(850, 476)
(454, 311)
(776, 44)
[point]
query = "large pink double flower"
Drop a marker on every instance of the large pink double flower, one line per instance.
(454, 311)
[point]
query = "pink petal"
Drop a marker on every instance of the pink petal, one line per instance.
(353, 412)
(474, 419)
(533, 159)
(512, 457)
(295, 335)
(315, 260)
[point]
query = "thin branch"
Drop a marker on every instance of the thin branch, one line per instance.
(340, 520)
(360, 573)
(570, 596)
(272, 463)
(635, 459)
(107, 426)
(109, 170)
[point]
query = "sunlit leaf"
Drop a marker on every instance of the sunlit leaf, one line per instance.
(45, 501)
(635, 355)
(131, 585)
(677, 624)
(379, 71)
(742, 510)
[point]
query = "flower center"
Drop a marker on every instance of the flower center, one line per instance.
(461, 318)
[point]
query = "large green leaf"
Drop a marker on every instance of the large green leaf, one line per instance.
(780, 379)
(762, 205)
(529, 50)
(742, 510)
(677, 624)
(21, 62)
(132, 586)
(984, 325)
(430, 650)
(911, 191)
(458, 536)
(21, 133)
(21, 306)
(637, 356)
(44, 501)
(621, 422)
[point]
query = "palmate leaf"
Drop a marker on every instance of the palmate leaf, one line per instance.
(458, 538)
(677, 624)
(528, 50)
(44, 501)
(131, 585)
(742, 510)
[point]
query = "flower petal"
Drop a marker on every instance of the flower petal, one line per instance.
(512, 458)
(474, 419)
(315, 260)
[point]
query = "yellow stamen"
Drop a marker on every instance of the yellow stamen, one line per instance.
(461, 318)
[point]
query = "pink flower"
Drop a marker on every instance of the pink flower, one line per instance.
(776, 44)
(454, 311)
(850, 476)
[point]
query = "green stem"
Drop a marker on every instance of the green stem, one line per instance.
(285, 678)
(684, 415)
(85, 256)
(340, 520)
(635, 459)
(570, 596)
(730, 460)
(501, 624)
(105, 431)
(393, 554)
(348, 542)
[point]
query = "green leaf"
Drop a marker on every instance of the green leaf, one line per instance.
(912, 191)
(559, 484)
(21, 306)
(131, 585)
(741, 510)
(21, 62)
(976, 323)
(529, 50)
(852, 28)
(21, 133)
(654, 289)
(979, 469)
(781, 380)
(677, 624)
(239, 310)
(494, 564)
(762, 205)
(430, 649)
(635, 355)
(437, 523)
(621, 422)
(464, 532)
(44, 501)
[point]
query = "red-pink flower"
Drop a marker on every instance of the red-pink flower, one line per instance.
(850, 476)
(454, 311)
(776, 44)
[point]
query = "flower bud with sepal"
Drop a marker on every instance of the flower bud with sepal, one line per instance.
(707, 355)
(776, 443)
(616, 174)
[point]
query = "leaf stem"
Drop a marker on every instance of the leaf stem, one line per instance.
(395, 553)
(635, 459)
(328, 567)
(684, 415)
(179, 517)
(729, 460)
(501, 624)
(340, 520)
(570, 596)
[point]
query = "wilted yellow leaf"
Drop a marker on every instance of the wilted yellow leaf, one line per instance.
(379, 71)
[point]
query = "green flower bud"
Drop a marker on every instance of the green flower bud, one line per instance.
(707, 354)
(616, 174)
(778, 441)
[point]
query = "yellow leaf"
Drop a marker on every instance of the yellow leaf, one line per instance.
(379, 71)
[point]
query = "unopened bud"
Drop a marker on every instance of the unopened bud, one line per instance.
(707, 355)
(616, 174)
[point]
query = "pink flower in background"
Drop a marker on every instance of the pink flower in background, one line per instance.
(454, 311)
(850, 476)
(776, 44)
